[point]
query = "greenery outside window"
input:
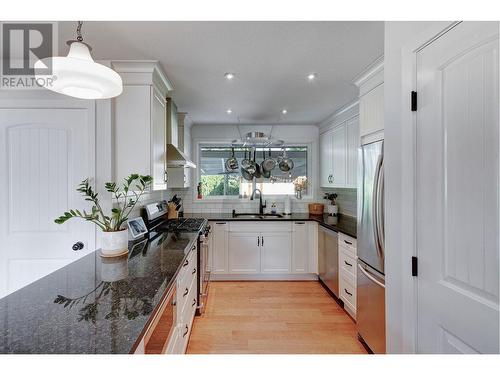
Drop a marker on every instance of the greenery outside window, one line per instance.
(218, 182)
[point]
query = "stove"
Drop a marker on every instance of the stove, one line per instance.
(182, 225)
(155, 215)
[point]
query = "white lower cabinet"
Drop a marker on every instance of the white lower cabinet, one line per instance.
(275, 252)
(219, 251)
(300, 247)
(244, 252)
(264, 250)
(347, 273)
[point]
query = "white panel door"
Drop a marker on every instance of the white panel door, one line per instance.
(276, 249)
(244, 252)
(352, 140)
(45, 154)
(326, 158)
(339, 156)
(457, 186)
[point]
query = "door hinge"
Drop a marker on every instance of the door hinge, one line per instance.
(413, 101)
(414, 266)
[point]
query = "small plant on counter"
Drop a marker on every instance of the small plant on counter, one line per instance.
(114, 236)
(119, 214)
(331, 197)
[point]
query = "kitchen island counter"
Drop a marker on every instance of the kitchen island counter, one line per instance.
(94, 305)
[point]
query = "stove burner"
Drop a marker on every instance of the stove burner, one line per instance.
(182, 225)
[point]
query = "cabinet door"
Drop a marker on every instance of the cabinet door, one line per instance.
(352, 139)
(339, 156)
(187, 151)
(158, 141)
(220, 248)
(244, 252)
(300, 247)
(276, 252)
(325, 149)
(371, 110)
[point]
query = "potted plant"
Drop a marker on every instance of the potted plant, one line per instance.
(114, 234)
(332, 208)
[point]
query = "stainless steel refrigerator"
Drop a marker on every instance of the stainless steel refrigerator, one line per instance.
(370, 302)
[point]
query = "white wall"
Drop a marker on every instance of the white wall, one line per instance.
(397, 36)
(227, 133)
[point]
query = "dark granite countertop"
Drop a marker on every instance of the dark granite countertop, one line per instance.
(341, 223)
(95, 304)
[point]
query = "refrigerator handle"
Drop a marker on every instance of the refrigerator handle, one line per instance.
(375, 206)
(380, 208)
(372, 278)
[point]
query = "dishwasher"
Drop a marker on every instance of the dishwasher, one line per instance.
(328, 259)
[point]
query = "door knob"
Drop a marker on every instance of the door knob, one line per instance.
(78, 246)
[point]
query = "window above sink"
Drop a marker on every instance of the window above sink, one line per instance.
(218, 182)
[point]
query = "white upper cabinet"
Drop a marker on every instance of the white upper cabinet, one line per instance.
(140, 122)
(352, 144)
(371, 102)
(326, 158)
(371, 111)
(339, 150)
(339, 154)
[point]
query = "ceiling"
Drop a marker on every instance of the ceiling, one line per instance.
(270, 61)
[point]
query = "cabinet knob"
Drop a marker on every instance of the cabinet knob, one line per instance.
(78, 246)
(165, 176)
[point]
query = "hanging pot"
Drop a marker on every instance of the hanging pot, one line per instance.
(268, 164)
(286, 164)
(247, 164)
(266, 173)
(232, 162)
(257, 173)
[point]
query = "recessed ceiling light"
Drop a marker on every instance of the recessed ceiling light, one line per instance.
(284, 111)
(312, 76)
(229, 111)
(229, 76)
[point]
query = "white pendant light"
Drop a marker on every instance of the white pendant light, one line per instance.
(78, 75)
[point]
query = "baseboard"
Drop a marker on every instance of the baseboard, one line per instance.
(264, 277)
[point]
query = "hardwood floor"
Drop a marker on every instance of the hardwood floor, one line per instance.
(272, 317)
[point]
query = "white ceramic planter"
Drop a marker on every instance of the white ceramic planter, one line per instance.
(114, 243)
(333, 210)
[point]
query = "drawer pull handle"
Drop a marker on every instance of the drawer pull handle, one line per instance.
(347, 242)
(346, 262)
(185, 292)
(347, 292)
(185, 263)
(187, 330)
(194, 271)
(194, 302)
(299, 222)
(221, 223)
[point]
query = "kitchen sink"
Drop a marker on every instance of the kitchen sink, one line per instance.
(256, 216)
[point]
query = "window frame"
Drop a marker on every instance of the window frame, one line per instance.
(228, 198)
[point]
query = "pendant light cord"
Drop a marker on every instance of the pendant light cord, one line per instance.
(79, 31)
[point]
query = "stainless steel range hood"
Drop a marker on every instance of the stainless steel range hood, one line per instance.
(175, 136)
(177, 159)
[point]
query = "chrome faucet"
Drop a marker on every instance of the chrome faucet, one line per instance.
(261, 206)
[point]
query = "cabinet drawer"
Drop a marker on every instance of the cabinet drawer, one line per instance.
(348, 243)
(348, 292)
(187, 272)
(347, 263)
(184, 296)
